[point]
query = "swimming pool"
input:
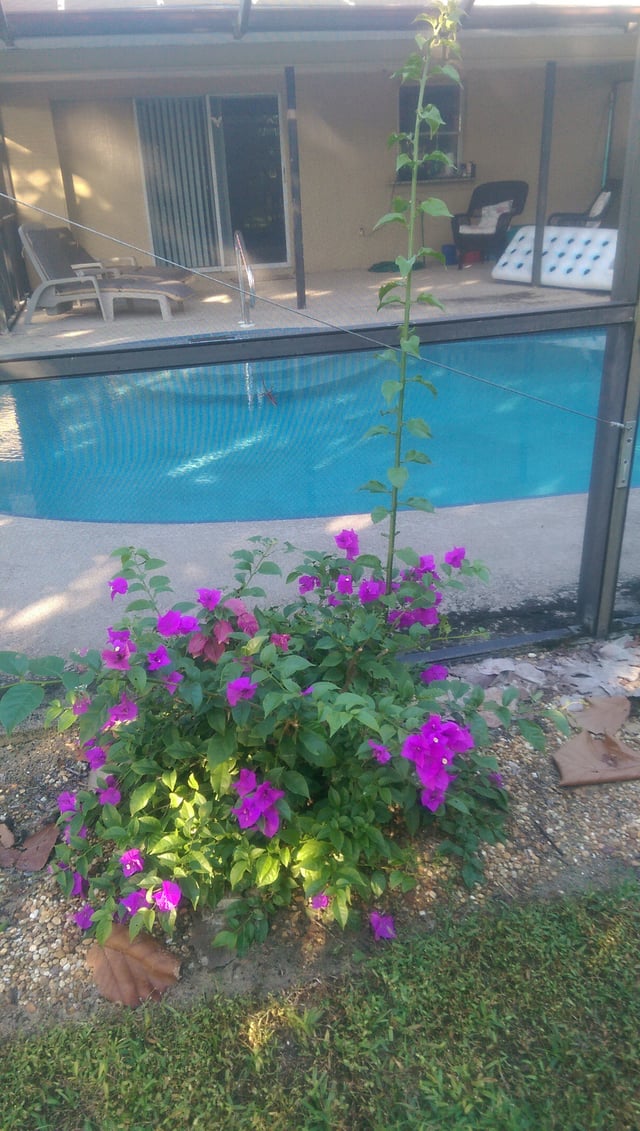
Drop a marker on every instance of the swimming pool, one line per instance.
(284, 438)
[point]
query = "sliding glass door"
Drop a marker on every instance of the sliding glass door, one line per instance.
(213, 166)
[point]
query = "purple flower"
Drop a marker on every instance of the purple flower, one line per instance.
(241, 688)
(246, 783)
(173, 623)
(132, 862)
(209, 598)
(307, 582)
(382, 926)
(432, 797)
(84, 917)
(80, 886)
(348, 540)
(158, 659)
(427, 565)
(435, 672)
(125, 711)
(117, 657)
(307, 690)
(281, 640)
(380, 753)
(171, 681)
(96, 757)
(432, 751)
(118, 585)
(370, 590)
(344, 584)
(320, 901)
(258, 806)
(134, 901)
(111, 794)
(497, 780)
(81, 706)
(169, 896)
(67, 802)
(455, 557)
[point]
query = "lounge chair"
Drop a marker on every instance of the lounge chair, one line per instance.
(70, 275)
(602, 207)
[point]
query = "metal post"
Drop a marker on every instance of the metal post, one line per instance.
(294, 168)
(543, 170)
(619, 401)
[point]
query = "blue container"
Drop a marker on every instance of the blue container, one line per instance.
(450, 256)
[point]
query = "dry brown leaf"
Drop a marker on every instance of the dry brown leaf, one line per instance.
(36, 849)
(585, 760)
(8, 857)
(33, 853)
(7, 839)
(131, 972)
(604, 714)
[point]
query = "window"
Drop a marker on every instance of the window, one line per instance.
(447, 97)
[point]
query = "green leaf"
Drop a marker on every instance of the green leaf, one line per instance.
(411, 346)
(398, 476)
(390, 389)
(389, 218)
(392, 285)
(408, 556)
(18, 702)
(427, 299)
(270, 567)
(405, 266)
(141, 796)
(296, 783)
(15, 663)
(375, 486)
(432, 206)
(48, 666)
(532, 734)
(414, 456)
(267, 871)
(559, 720)
(418, 427)
(228, 939)
(418, 503)
(292, 664)
(139, 606)
(378, 430)
(378, 514)
(311, 852)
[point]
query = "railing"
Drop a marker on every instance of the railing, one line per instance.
(246, 281)
(13, 282)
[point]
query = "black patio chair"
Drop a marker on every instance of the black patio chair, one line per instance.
(485, 224)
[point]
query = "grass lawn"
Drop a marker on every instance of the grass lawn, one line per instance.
(526, 1018)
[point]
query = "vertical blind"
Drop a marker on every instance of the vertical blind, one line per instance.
(179, 179)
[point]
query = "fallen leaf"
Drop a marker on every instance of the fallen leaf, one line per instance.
(131, 972)
(8, 857)
(603, 715)
(36, 849)
(585, 760)
(7, 839)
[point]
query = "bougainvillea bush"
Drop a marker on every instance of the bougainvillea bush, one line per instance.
(257, 751)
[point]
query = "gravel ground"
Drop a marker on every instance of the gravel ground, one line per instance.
(560, 840)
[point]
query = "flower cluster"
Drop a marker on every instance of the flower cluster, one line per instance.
(432, 751)
(258, 804)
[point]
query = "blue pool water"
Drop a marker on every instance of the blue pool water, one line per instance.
(284, 439)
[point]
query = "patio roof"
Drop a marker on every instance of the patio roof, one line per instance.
(42, 19)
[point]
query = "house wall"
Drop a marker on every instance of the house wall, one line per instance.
(81, 135)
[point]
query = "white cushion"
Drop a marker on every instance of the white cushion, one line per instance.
(488, 219)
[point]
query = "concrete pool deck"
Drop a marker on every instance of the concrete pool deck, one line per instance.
(54, 595)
